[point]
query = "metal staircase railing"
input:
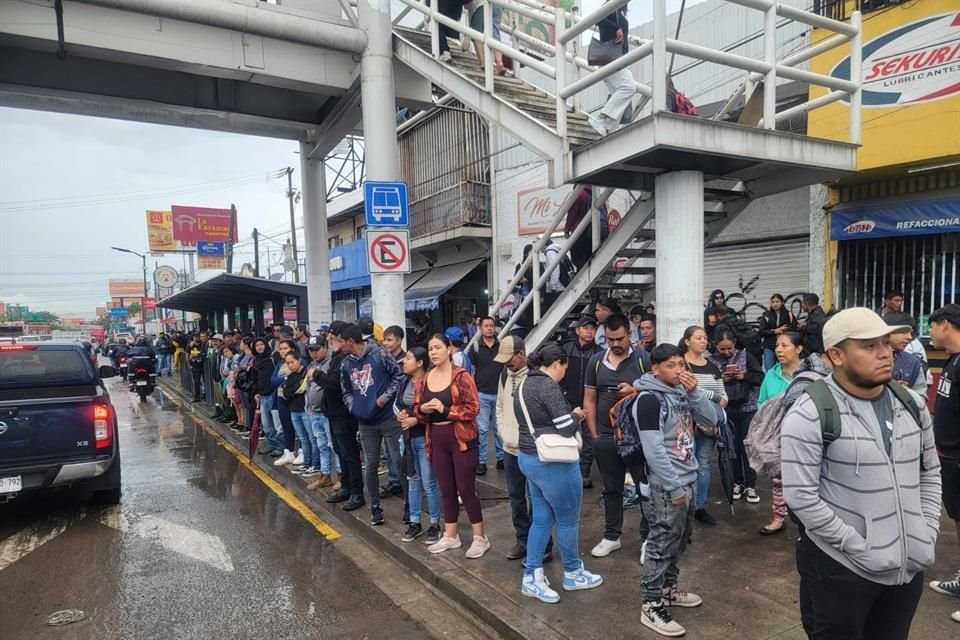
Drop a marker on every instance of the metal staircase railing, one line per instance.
(545, 122)
(569, 27)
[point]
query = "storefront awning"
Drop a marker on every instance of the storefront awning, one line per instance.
(894, 218)
(424, 292)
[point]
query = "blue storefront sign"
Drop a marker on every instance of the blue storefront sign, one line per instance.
(118, 311)
(863, 221)
(211, 249)
(348, 266)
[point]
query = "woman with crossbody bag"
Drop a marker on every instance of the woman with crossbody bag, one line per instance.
(612, 43)
(550, 460)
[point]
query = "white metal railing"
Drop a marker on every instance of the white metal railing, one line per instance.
(570, 27)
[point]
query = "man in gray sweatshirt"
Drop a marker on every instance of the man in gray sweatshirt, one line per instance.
(665, 412)
(869, 501)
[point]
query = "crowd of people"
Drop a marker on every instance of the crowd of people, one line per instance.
(349, 405)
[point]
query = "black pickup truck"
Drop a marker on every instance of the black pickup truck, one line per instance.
(58, 427)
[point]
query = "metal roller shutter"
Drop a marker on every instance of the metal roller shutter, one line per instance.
(750, 274)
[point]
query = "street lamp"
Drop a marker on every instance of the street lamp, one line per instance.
(143, 312)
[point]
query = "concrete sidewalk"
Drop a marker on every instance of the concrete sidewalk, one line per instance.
(748, 583)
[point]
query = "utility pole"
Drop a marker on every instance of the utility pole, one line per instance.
(293, 224)
(378, 104)
(256, 253)
(233, 230)
(269, 270)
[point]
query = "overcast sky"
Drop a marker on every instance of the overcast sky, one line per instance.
(71, 187)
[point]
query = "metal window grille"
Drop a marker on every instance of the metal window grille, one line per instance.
(924, 268)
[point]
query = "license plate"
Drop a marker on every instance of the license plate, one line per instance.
(141, 383)
(12, 484)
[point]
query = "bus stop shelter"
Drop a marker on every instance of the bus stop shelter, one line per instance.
(230, 301)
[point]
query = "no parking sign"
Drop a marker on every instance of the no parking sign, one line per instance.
(388, 251)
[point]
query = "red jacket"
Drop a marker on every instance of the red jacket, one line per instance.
(463, 413)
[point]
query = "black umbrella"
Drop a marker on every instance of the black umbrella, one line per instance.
(727, 454)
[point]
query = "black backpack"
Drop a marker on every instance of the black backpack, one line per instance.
(567, 270)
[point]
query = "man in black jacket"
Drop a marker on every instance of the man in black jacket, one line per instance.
(343, 426)
(812, 329)
(579, 352)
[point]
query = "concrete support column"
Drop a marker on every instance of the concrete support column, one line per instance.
(314, 188)
(378, 101)
(679, 225)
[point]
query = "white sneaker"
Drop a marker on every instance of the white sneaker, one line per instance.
(643, 552)
(537, 586)
(478, 547)
(676, 597)
(446, 57)
(285, 459)
(657, 617)
(299, 459)
(737, 491)
(955, 616)
(444, 544)
(599, 124)
(752, 496)
(580, 579)
(605, 548)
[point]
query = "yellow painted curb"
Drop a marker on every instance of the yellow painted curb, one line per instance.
(284, 494)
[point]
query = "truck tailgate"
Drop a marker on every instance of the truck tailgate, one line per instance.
(48, 429)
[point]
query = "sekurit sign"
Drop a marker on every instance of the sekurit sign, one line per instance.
(913, 63)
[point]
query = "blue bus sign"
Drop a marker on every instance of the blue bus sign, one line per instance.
(385, 204)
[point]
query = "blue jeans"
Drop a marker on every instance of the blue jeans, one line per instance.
(486, 417)
(270, 429)
(769, 359)
(301, 425)
(422, 483)
(556, 490)
(163, 364)
(324, 457)
(703, 450)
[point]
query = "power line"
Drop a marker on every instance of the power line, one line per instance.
(37, 206)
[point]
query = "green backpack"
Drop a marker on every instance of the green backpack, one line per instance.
(829, 411)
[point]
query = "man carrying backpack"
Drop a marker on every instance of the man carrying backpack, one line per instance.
(560, 277)
(609, 377)
(860, 471)
(663, 416)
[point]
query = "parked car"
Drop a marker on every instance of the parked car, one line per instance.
(58, 427)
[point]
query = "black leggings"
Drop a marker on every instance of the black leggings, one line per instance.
(453, 10)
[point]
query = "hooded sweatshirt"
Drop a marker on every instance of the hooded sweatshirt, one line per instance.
(507, 421)
(876, 513)
(314, 390)
(372, 376)
(666, 417)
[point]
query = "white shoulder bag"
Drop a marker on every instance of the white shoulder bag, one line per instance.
(551, 447)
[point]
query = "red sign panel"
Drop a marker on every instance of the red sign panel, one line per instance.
(149, 304)
(200, 224)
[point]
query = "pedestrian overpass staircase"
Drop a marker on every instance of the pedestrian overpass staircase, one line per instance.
(738, 162)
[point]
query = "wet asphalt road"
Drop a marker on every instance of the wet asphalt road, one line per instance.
(199, 548)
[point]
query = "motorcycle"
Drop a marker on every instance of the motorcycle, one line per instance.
(122, 366)
(143, 377)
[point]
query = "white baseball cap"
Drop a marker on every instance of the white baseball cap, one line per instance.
(858, 323)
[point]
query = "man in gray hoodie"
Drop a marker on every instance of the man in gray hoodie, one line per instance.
(869, 501)
(667, 408)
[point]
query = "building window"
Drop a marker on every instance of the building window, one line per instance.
(335, 241)
(359, 233)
